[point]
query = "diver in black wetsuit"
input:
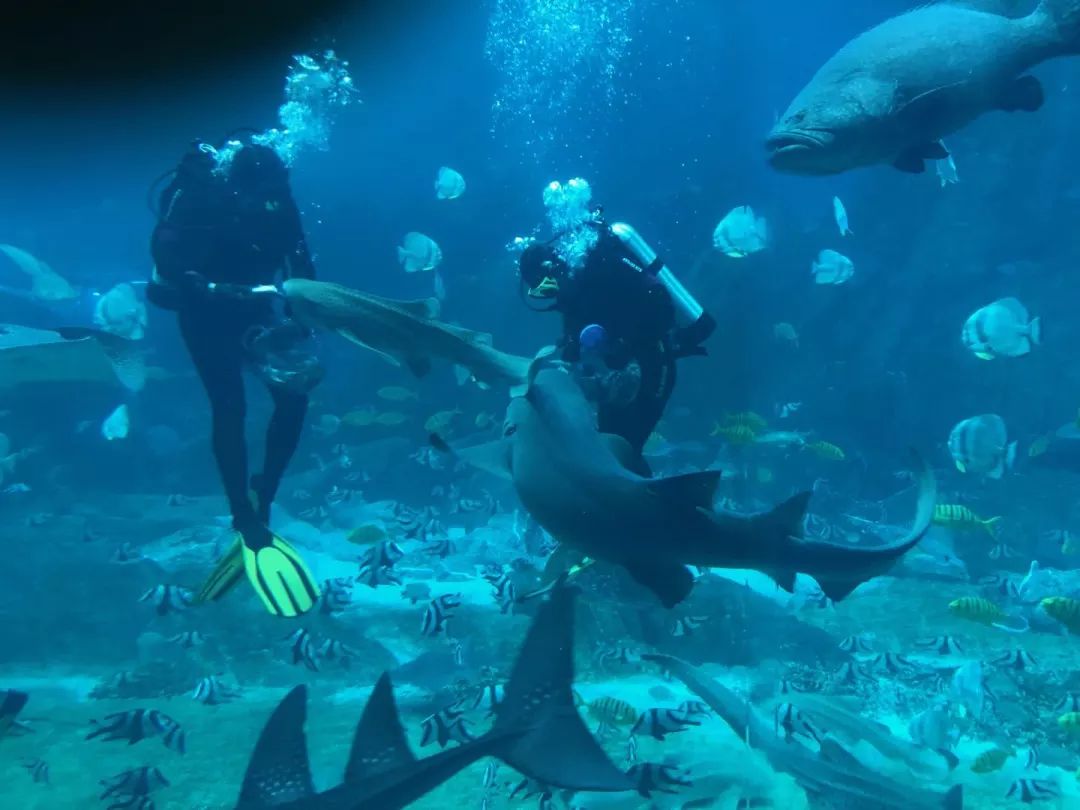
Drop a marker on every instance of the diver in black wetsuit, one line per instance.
(625, 311)
(220, 233)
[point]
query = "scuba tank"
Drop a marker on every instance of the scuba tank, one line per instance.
(689, 314)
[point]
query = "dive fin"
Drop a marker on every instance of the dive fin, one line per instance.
(279, 771)
(379, 743)
(629, 458)
(555, 747)
(226, 574)
(1024, 94)
(281, 578)
(671, 582)
(492, 457)
(693, 490)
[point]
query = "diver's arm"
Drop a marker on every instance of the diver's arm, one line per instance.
(298, 261)
(180, 242)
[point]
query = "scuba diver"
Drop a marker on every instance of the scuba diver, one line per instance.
(224, 235)
(626, 320)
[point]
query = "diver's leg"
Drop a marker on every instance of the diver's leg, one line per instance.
(282, 439)
(216, 354)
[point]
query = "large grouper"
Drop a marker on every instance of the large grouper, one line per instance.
(593, 494)
(891, 94)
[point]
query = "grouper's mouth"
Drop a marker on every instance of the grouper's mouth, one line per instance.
(792, 142)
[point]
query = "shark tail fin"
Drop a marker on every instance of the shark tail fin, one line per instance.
(953, 798)
(545, 737)
(279, 771)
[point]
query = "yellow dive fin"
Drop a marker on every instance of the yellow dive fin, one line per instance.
(227, 573)
(280, 577)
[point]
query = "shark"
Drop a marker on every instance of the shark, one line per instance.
(831, 773)
(405, 333)
(594, 494)
(537, 731)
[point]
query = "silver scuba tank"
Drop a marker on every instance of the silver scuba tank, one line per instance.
(687, 310)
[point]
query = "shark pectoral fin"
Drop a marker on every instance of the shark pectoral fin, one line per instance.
(492, 457)
(910, 162)
(1024, 94)
(419, 366)
(379, 743)
(693, 490)
(840, 589)
(671, 582)
(279, 771)
(833, 751)
(786, 581)
(352, 338)
(629, 458)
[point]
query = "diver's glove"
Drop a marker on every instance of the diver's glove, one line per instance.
(687, 341)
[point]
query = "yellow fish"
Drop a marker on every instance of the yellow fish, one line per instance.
(1038, 447)
(367, 535)
(1064, 610)
(957, 516)
(747, 419)
(396, 393)
(977, 609)
(359, 418)
(440, 421)
(391, 418)
(826, 450)
(735, 434)
(609, 711)
(990, 761)
(1070, 722)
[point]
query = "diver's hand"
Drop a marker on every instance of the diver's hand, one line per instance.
(196, 282)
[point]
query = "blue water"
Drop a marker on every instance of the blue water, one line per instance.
(663, 107)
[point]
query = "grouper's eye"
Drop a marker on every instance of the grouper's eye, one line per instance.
(509, 429)
(797, 118)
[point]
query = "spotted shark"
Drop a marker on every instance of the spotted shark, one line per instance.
(537, 731)
(405, 333)
(593, 494)
(832, 774)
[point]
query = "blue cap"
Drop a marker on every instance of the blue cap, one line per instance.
(593, 337)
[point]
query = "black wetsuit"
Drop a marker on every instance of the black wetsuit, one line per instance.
(231, 236)
(638, 317)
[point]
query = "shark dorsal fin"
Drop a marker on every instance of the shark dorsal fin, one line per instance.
(379, 743)
(428, 308)
(279, 771)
